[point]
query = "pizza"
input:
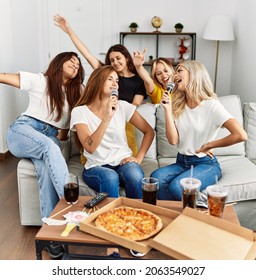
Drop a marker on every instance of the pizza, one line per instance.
(131, 223)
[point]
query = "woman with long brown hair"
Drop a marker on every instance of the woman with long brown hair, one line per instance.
(131, 86)
(99, 120)
(37, 132)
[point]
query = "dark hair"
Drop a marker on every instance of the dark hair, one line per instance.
(123, 50)
(72, 88)
(95, 84)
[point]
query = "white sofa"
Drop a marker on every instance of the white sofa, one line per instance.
(237, 161)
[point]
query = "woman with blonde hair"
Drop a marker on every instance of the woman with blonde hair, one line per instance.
(162, 74)
(193, 117)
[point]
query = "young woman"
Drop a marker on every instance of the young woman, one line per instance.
(131, 86)
(37, 132)
(162, 73)
(193, 117)
(99, 120)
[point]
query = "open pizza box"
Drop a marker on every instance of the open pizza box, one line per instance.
(199, 236)
(88, 225)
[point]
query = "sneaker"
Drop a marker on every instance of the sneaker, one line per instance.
(137, 254)
(115, 255)
(56, 251)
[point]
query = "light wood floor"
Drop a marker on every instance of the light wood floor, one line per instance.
(16, 241)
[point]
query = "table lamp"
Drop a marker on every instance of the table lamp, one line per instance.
(219, 28)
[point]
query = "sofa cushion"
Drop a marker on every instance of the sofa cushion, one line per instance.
(74, 149)
(250, 127)
(238, 175)
(148, 112)
(149, 165)
(232, 103)
(164, 148)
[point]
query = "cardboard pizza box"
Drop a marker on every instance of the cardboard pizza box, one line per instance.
(199, 236)
(88, 225)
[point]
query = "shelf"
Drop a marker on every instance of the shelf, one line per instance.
(157, 36)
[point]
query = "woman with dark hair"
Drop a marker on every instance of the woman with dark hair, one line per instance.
(37, 132)
(99, 120)
(131, 86)
(162, 73)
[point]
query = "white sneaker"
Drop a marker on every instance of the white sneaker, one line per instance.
(137, 254)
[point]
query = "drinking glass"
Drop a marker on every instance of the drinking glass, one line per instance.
(150, 187)
(71, 188)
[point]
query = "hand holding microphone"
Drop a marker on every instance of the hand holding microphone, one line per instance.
(169, 88)
(114, 92)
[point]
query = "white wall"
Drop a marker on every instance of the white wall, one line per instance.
(7, 94)
(20, 49)
(29, 39)
(243, 78)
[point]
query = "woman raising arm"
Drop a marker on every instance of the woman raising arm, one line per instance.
(131, 86)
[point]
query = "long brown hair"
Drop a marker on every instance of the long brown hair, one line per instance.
(95, 84)
(123, 50)
(56, 91)
(93, 90)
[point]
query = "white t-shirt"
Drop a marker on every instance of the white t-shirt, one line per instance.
(39, 107)
(200, 125)
(113, 147)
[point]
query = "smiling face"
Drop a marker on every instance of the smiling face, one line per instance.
(111, 83)
(118, 61)
(70, 68)
(163, 74)
(181, 78)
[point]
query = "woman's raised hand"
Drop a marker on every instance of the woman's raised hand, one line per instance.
(139, 58)
(61, 22)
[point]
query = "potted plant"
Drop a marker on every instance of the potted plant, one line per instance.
(150, 59)
(178, 27)
(133, 26)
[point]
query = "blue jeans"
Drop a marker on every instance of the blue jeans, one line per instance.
(205, 169)
(107, 178)
(36, 140)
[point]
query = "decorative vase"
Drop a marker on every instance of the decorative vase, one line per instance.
(178, 30)
(133, 29)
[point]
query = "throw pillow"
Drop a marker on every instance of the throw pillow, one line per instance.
(131, 140)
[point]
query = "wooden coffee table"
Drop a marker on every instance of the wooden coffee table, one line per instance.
(52, 234)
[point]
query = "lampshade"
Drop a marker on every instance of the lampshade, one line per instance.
(219, 28)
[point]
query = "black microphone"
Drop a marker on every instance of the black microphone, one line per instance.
(169, 88)
(114, 92)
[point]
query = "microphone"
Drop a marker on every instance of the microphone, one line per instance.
(169, 88)
(114, 92)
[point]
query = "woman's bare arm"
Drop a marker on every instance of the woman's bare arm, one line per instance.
(63, 24)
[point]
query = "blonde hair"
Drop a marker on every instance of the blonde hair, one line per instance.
(199, 87)
(167, 64)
